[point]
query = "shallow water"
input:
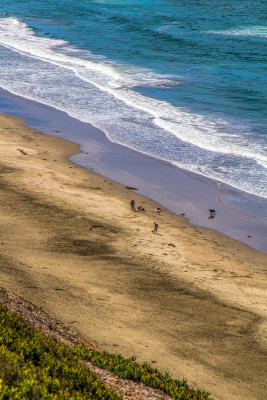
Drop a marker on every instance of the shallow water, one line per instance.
(174, 188)
(182, 81)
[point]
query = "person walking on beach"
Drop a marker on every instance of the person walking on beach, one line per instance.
(132, 205)
(155, 228)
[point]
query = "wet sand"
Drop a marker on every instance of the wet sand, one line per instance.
(188, 300)
(174, 188)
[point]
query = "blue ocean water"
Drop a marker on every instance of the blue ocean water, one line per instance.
(184, 81)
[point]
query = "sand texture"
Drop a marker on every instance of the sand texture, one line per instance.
(62, 333)
(188, 300)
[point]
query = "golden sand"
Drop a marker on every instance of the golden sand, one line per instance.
(188, 300)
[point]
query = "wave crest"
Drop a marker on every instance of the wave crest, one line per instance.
(62, 72)
(257, 31)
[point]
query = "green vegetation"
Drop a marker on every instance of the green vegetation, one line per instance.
(33, 366)
(130, 369)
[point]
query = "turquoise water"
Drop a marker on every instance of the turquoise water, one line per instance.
(184, 81)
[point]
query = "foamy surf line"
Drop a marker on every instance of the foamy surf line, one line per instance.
(173, 188)
(150, 126)
(253, 31)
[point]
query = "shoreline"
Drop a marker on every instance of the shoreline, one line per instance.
(180, 191)
(189, 300)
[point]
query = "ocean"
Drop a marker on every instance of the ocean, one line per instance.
(183, 81)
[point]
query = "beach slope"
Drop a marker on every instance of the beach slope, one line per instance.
(188, 300)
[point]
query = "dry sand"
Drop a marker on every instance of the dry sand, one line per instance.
(70, 244)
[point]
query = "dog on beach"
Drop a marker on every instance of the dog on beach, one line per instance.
(140, 208)
(212, 213)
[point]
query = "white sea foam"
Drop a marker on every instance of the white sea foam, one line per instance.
(257, 31)
(18, 36)
(101, 93)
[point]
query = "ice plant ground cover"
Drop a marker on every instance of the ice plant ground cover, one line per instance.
(34, 366)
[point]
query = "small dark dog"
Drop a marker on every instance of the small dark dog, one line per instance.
(212, 213)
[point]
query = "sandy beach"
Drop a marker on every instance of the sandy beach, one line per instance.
(188, 300)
